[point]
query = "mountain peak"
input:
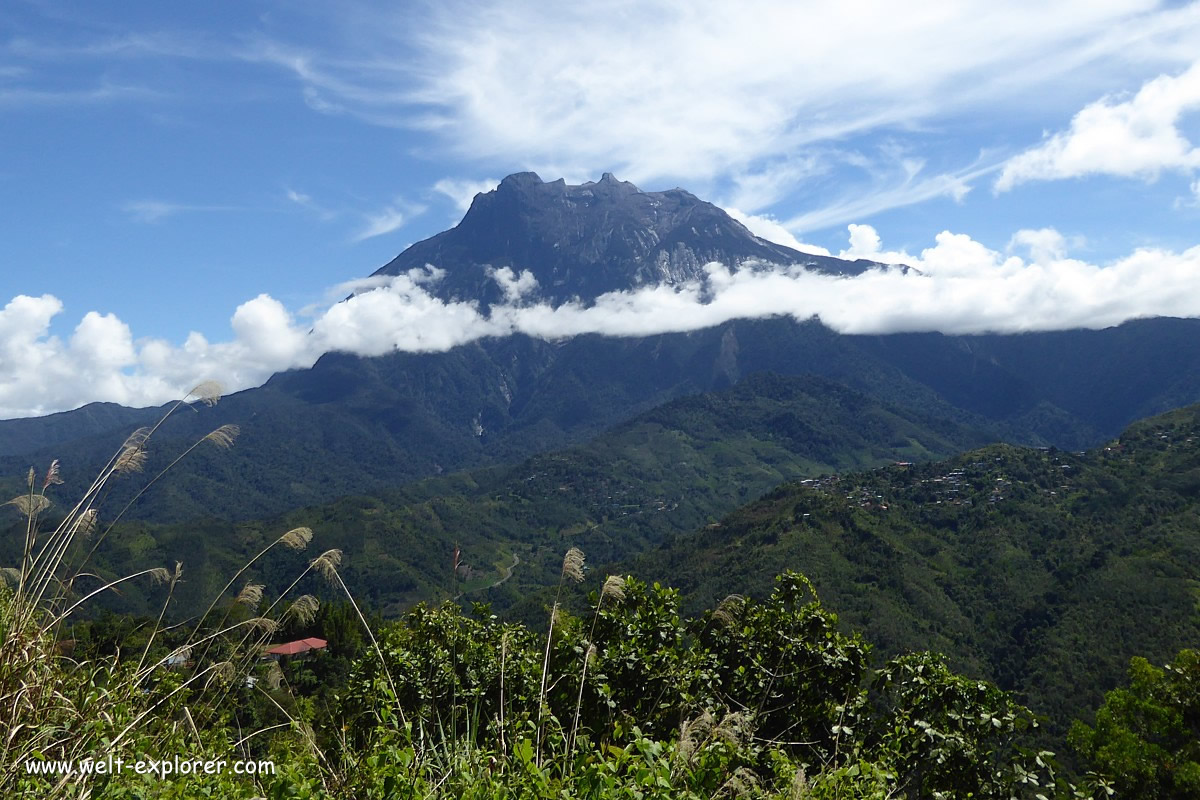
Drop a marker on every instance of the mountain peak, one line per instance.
(531, 184)
(521, 179)
(584, 240)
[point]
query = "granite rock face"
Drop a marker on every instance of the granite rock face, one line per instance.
(582, 241)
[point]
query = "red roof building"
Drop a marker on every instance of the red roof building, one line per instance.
(298, 647)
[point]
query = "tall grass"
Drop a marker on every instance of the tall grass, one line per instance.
(56, 708)
(181, 691)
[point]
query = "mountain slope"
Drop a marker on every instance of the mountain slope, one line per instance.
(665, 472)
(1044, 570)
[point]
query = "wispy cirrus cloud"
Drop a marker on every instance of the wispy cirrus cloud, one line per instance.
(308, 203)
(388, 219)
(151, 211)
(911, 186)
(717, 98)
(19, 97)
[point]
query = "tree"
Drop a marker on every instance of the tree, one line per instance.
(1146, 740)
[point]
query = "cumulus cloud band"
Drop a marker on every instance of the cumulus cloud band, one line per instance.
(958, 286)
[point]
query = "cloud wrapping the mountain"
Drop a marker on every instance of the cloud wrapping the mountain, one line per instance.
(958, 286)
(772, 230)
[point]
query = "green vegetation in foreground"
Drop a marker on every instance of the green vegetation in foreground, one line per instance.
(1043, 570)
(629, 700)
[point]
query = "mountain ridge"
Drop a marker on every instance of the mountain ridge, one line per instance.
(581, 241)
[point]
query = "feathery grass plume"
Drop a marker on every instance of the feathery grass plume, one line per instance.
(692, 735)
(729, 610)
(327, 563)
(10, 575)
(157, 574)
(251, 595)
(131, 456)
(572, 568)
(223, 436)
(274, 675)
(132, 459)
(263, 625)
(161, 614)
(138, 438)
(208, 392)
(735, 728)
(742, 783)
(30, 504)
(85, 523)
(614, 587)
(52, 478)
(297, 538)
(573, 565)
(303, 609)
(799, 789)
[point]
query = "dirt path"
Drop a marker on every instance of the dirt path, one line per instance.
(505, 574)
(507, 571)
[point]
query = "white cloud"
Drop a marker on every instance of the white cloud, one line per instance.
(515, 287)
(1045, 245)
(772, 230)
(1134, 138)
(299, 198)
(769, 182)
(387, 220)
(674, 90)
(902, 191)
(462, 192)
(24, 97)
(959, 286)
(151, 211)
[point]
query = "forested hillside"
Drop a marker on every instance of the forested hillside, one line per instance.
(670, 470)
(1041, 569)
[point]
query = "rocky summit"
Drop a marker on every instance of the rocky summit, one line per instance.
(580, 241)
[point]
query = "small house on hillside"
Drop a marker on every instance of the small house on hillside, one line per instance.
(298, 648)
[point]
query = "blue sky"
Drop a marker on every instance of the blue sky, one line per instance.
(165, 164)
